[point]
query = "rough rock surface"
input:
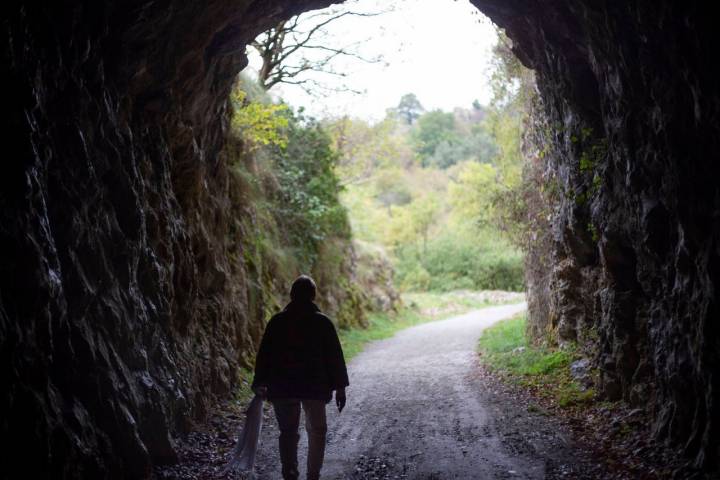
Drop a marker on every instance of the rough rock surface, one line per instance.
(375, 276)
(120, 317)
(633, 113)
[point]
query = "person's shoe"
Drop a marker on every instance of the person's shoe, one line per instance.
(290, 474)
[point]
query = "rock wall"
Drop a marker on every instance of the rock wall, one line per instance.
(121, 319)
(632, 106)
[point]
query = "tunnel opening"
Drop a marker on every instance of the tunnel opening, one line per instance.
(119, 322)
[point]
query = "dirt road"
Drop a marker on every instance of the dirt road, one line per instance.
(418, 409)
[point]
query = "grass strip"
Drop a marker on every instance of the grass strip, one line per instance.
(543, 371)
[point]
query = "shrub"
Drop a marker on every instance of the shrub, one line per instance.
(416, 279)
(286, 215)
(459, 261)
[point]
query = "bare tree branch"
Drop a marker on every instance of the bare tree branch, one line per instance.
(303, 36)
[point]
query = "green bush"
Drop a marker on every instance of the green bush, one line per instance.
(416, 279)
(456, 261)
(286, 216)
(307, 205)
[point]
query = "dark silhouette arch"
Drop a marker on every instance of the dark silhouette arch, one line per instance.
(118, 325)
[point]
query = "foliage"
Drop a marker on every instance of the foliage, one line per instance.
(435, 188)
(416, 219)
(287, 215)
(364, 148)
(509, 79)
(460, 260)
(391, 189)
(260, 123)
(479, 144)
(473, 193)
(505, 349)
(442, 139)
(513, 94)
(309, 207)
(434, 130)
(437, 216)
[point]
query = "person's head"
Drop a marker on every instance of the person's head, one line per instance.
(303, 289)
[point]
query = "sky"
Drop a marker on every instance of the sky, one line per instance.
(438, 49)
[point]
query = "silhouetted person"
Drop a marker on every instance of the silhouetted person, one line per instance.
(300, 362)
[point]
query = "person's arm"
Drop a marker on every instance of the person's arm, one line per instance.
(262, 361)
(340, 399)
(336, 365)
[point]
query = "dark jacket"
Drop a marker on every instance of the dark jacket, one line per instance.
(300, 355)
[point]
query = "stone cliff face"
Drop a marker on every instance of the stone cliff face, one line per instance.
(121, 318)
(633, 113)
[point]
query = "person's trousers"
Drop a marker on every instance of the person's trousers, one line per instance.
(287, 412)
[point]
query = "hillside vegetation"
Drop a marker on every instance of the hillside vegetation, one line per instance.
(289, 220)
(429, 187)
(419, 201)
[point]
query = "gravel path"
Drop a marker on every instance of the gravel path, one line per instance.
(418, 409)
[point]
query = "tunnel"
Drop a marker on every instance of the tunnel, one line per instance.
(120, 317)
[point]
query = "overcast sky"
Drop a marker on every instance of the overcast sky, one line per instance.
(438, 49)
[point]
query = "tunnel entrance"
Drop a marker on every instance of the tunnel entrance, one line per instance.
(124, 313)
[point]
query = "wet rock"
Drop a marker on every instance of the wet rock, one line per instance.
(580, 372)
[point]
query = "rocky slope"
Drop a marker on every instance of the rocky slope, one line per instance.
(121, 316)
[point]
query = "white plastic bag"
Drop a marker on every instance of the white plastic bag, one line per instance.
(243, 456)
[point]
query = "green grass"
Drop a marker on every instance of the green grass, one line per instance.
(545, 371)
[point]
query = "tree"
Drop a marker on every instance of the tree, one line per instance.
(413, 222)
(447, 153)
(424, 213)
(433, 129)
(302, 44)
(480, 144)
(472, 195)
(364, 148)
(409, 109)
(392, 189)
(513, 95)
(309, 189)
